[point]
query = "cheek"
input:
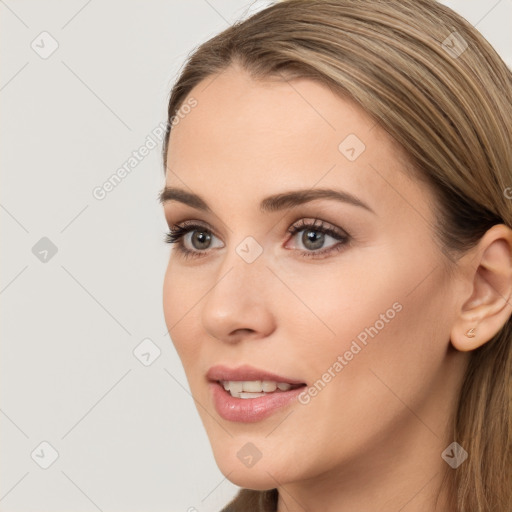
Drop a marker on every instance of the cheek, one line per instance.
(179, 303)
(383, 318)
(336, 304)
(390, 350)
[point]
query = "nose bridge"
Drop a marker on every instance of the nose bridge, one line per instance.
(242, 271)
(238, 298)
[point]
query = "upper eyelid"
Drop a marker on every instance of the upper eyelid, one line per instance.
(304, 220)
(301, 224)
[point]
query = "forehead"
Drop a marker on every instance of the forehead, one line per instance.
(235, 110)
(250, 138)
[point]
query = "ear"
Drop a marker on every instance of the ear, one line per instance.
(488, 306)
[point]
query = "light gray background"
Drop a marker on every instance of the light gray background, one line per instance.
(128, 436)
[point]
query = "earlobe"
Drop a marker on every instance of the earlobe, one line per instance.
(470, 333)
(488, 307)
(466, 341)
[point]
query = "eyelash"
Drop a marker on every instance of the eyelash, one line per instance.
(177, 232)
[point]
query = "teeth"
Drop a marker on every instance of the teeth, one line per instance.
(250, 395)
(236, 386)
(253, 388)
(268, 386)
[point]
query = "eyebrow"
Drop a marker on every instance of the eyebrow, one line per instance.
(272, 203)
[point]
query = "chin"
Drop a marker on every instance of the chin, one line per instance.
(250, 478)
(258, 474)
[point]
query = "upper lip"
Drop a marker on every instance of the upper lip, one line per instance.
(244, 373)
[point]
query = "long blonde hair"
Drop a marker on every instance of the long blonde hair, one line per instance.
(442, 92)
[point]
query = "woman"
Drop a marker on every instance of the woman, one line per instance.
(338, 184)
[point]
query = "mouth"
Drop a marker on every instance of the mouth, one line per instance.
(247, 394)
(252, 406)
(248, 389)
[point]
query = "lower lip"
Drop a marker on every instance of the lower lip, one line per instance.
(250, 410)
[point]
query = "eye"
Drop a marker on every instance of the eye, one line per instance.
(314, 236)
(200, 237)
(313, 239)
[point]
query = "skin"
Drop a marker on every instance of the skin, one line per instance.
(372, 439)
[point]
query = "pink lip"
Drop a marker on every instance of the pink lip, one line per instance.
(246, 372)
(250, 410)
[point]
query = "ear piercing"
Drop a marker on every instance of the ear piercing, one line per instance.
(470, 333)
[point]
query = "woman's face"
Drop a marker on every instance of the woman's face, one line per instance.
(361, 317)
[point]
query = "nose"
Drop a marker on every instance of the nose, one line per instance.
(239, 302)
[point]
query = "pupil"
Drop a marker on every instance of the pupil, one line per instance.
(201, 238)
(313, 236)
